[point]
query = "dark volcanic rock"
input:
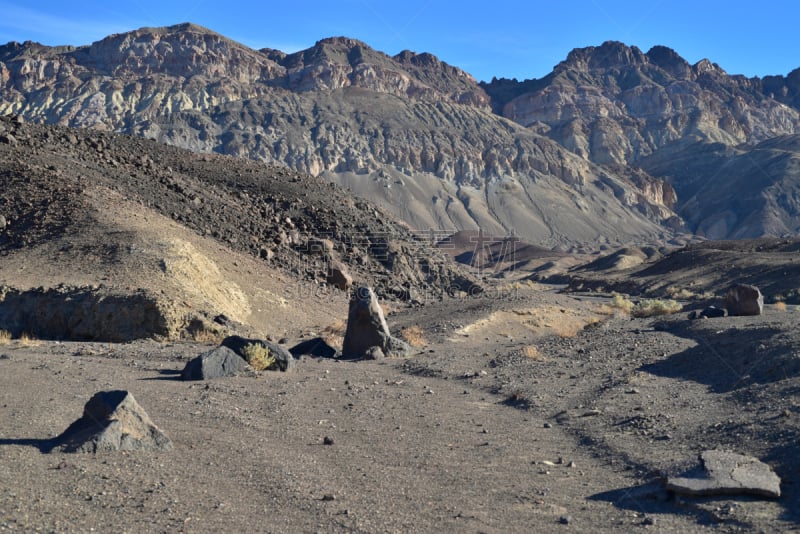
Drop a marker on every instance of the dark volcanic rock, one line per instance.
(743, 299)
(216, 363)
(727, 473)
(112, 421)
(314, 347)
(284, 360)
(367, 328)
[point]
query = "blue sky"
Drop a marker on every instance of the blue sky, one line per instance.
(512, 39)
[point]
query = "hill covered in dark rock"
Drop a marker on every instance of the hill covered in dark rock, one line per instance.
(97, 213)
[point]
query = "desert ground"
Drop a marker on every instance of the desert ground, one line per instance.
(516, 415)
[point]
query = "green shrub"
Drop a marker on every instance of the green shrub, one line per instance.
(258, 356)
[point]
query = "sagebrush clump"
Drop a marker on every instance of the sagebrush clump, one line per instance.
(258, 356)
(413, 336)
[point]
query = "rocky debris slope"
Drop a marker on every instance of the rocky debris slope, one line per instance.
(271, 213)
(410, 131)
(699, 271)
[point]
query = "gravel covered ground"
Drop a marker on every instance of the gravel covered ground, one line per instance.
(466, 435)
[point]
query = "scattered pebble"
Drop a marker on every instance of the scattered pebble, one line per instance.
(548, 425)
(327, 440)
(565, 520)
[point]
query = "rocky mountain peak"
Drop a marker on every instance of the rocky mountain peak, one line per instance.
(608, 55)
(670, 61)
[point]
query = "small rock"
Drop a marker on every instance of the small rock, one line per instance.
(648, 521)
(327, 440)
(548, 425)
(565, 520)
(711, 312)
(329, 497)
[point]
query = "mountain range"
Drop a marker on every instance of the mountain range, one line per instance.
(614, 146)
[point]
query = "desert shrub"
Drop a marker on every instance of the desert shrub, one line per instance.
(27, 339)
(622, 303)
(258, 356)
(682, 293)
(652, 308)
(780, 306)
(413, 336)
(5, 337)
(532, 352)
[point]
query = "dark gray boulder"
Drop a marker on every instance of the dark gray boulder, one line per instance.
(284, 361)
(216, 363)
(727, 473)
(743, 299)
(314, 347)
(112, 421)
(367, 328)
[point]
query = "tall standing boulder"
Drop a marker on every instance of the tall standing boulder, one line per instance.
(112, 421)
(367, 328)
(743, 299)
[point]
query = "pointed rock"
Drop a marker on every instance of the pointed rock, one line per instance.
(367, 328)
(112, 421)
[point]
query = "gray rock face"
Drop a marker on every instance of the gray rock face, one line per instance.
(113, 421)
(216, 363)
(727, 473)
(367, 328)
(283, 358)
(743, 299)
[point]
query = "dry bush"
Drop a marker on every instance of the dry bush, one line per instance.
(605, 309)
(333, 334)
(622, 303)
(567, 328)
(207, 336)
(780, 306)
(5, 337)
(28, 340)
(683, 293)
(258, 356)
(413, 335)
(655, 307)
(532, 352)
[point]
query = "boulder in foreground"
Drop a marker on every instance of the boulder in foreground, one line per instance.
(727, 473)
(112, 421)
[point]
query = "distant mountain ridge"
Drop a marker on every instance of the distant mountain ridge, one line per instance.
(572, 161)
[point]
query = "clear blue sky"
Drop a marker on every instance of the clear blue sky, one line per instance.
(512, 39)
